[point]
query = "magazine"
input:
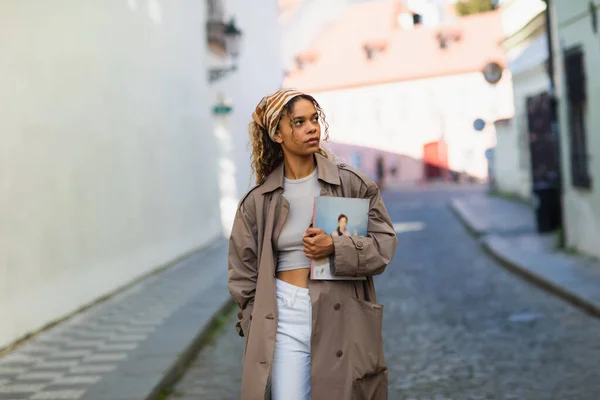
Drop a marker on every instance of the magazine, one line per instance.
(341, 216)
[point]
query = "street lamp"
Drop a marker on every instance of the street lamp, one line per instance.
(233, 36)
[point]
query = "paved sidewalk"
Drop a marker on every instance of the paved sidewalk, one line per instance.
(507, 231)
(485, 214)
(129, 347)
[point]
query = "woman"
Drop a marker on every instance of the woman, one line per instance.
(341, 228)
(305, 338)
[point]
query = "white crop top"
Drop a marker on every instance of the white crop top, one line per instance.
(300, 193)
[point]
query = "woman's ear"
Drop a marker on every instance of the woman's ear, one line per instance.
(277, 138)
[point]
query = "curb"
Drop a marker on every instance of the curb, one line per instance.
(539, 280)
(455, 207)
(546, 284)
(176, 371)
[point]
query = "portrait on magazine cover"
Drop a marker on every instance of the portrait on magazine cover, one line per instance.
(340, 216)
(343, 227)
(347, 217)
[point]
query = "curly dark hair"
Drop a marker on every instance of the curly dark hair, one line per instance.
(267, 154)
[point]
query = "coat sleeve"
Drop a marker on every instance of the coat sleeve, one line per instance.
(243, 265)
(367, 255)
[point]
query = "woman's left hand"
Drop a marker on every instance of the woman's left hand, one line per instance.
(317, 244)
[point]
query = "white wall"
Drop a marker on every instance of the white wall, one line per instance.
(516, 14)
(581, 207)
(258, 73)
(526, 84)
(401, 117)
(107, 150)
(507, 174)
(512, 155)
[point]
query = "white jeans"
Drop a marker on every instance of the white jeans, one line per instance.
(290, 373)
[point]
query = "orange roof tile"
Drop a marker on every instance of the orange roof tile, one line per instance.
(287, 4)
(341, 62)
(287, 8)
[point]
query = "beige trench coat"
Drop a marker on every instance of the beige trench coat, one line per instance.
(347, 360)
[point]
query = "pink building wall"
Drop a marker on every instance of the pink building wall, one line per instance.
(408, 169)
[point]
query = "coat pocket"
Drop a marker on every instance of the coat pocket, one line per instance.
(365, 322)
(243, 323)
(371, 387)
(243, 326)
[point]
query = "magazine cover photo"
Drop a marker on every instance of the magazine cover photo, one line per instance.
(338, 216)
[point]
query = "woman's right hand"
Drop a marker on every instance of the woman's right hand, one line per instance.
(317, 244)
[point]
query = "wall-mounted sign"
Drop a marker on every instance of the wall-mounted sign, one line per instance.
(222, 109)
(479, 124)
(492, 72)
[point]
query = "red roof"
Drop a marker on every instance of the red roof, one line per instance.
(340, 59)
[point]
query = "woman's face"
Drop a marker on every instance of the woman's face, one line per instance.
(304, 138)
(342, 224)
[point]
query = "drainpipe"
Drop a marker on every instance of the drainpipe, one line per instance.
(554, 123)
(550, 41)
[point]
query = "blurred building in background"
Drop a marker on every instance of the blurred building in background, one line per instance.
(241, 72)
(575, 31)
(119, 131)
(524, 27)
(302, 22)
(547, 152)
(404, 94)
(527, 160)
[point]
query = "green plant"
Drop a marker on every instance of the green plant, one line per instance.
(216, 328)
(562, 245)
(468, 7)
(571, 250)
(218, 325)
(167, 393)
(560, 239)
(509, 197)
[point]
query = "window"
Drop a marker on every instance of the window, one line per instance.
(577, 117)
(406, 21)
(417, 19)
(215, 28)
(374, 48)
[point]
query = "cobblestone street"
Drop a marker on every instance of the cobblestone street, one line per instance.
(456, 325)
